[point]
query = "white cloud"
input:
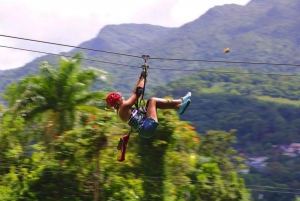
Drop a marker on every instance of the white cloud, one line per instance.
(74, 21)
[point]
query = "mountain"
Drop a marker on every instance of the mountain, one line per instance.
(264, 110)
(110, 38)
(261, 31)
(125, 36)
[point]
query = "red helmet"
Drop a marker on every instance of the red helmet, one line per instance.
(112, 98)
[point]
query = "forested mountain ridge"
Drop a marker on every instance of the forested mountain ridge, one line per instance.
(235, 101)
(111, 38)
(264, 111)
(262, 31)
(243, 82)
(125, 36)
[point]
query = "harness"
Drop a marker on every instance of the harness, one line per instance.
(136, 120)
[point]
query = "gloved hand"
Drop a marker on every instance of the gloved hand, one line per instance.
(144, 74)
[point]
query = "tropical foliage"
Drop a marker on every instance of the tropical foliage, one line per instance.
(55, 93)
(54, 108)
(82, 165)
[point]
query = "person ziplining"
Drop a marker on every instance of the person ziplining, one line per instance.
(142, 120)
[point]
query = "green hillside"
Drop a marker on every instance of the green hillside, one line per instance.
(265, 112)
(261, 31)
(263, 109)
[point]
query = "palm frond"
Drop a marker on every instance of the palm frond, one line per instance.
(58, 93)
(87, 77)
(95, 96)
(47, 73)
(11, 94)
(29, 112)
(101, 75)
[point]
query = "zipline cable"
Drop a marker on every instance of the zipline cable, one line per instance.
(223, 61)
(77, 47)
(155, 58)
(172, 69)
(67, 56)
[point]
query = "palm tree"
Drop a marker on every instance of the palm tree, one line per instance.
(56, 93)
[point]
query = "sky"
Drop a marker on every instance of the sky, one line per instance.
(72, 22)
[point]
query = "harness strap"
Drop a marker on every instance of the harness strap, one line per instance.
(145, 68)
(131, 120)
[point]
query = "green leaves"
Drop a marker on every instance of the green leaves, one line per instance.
(174, 164)
(77, 158)
(56, 93)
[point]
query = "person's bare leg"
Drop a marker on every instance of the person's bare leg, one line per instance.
(155, 103)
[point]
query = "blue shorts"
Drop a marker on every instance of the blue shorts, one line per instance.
(149, 128)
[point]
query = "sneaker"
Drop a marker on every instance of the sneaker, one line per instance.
(186, 97)
(122, 147)
(183, 106)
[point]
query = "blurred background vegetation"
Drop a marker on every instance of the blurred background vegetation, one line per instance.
(59, 143)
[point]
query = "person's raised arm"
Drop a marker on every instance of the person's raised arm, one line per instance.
(136, 91)
(125, 109)
(140, 84)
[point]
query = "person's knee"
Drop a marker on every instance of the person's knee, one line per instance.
(151, 101)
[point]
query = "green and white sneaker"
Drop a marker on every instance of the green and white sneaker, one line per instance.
(186, 97)
(183, 106)
(186, 100)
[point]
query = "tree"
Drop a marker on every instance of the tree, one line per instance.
(82, 149)
(216, 177)
(13, 139)
(56, 93)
